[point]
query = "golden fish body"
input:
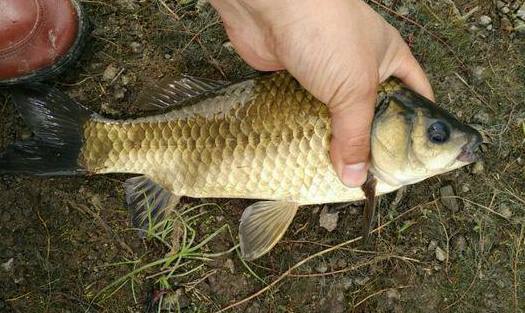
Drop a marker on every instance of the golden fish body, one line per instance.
(264, 138)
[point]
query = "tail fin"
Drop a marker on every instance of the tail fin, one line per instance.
(57, 124)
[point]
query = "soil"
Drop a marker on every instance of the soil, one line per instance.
(64, 239)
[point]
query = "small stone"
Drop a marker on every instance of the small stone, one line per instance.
(500, 4)
(119, 93)
(460, 244)
(136, 47)
(485, 20)
(9, 265)
(521, 11)
(489, 27)
(505, 211)
(228, 45)
(403, 11)
(327, 219)
(505, 10)
(440, 254)
(125, 80)
(361, 281)
(473, 28)
(465, 188)
(230, 266)
(393, 294)
(482, 117)
(109, 73)
(341, 263)
(478, 72)
(448, 198)
(321, 267)
(478, 168)
(432, 245)
(346, 282)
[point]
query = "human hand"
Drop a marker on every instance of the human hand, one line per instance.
(339, 50)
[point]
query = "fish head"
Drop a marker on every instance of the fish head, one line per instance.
(413, 139)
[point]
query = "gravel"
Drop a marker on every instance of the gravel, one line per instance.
(478, 168)
(109, 73)
(448, 198)
(485, 20)
(328, 220)
(441, 255)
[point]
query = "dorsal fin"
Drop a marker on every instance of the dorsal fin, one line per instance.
(174, 92)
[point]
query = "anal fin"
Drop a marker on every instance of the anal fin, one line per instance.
(147, 201)
(263, 224)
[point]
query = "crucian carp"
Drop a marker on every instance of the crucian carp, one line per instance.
(263, 138)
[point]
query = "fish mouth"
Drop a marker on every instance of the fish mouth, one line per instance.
(469, 151)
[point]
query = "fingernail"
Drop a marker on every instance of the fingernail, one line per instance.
(354, 175)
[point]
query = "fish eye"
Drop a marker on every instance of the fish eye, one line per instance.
(438, 132)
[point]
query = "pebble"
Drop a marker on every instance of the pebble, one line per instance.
(505, 211)
(328, 220)
(432, 245)
(460, 244)
(482, 117)
(119, 93)
(9, 265)
(485, 20)
(109, 73)
(489, 27)
(473, 28)
(500, 4)
(478, 168)
(230, 266)
(505, 10)
(321, 267)
(465, 188)
(361, 281)
(393, 294)
(136, 47)
(347, 282)
(403, 11)
(448, 198)
(521, 12)
(440, 254)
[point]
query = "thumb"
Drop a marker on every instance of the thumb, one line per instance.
(351, 124)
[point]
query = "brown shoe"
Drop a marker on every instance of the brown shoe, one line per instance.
(39, 38)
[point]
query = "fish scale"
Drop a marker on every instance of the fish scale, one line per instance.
(271, 146)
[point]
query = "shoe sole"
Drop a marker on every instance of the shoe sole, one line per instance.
(61, 65)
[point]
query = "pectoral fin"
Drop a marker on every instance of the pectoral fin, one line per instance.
(262, 225)
(147, 200)
(369, 188)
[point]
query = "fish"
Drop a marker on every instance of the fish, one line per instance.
(263, 138)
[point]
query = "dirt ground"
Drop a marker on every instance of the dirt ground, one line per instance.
(66, 244)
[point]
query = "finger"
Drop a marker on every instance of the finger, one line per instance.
(413, 75)
(350, 145)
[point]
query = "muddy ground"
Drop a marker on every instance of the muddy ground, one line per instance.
(63, 240)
